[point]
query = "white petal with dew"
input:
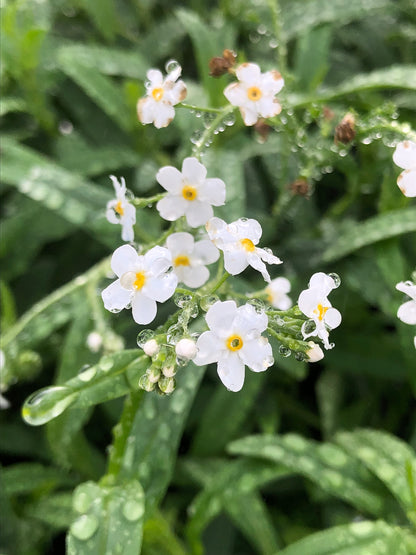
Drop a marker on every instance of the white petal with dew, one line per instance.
(231, 371)
(170, 179)
(143, 309)
(220, 317)
(124, 259)
(209, 347)
(115, 297)
(198, 213)
(405, 155)
(256, 354)
(172, 207)
(193, 171)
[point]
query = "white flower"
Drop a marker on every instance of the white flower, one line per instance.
(94, 341)
(407, 311)
(314, 353)
(151, 347)
(142, 280)
(405, 157)
(238, 241)
(234, 341)
(120, 211)
(313, 302)
(277, 293)
(189, 258)
(254, 93)
(186, 349)
(162, 95)
(190, 194)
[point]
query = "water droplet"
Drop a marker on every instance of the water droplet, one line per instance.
(146, 384)
(300, 356)
(83, 499)
(268, 361)
(258, 305)
(229, 119)
(273, 43)
(208, 119)
(172, 66)
(87, 373)
(182, 300)
(153, 374)
(194, 311)
(336, 278)
(84, 527)
(198, 114)
(262, 29)
(167, 385)
(206, 302)
(65, 127)
(174, 334)
(46, 404)
(144, 336)
(106, 363)
(133, 510)
(182, 361)
(308, 327)
(196, 137)
(284, 351)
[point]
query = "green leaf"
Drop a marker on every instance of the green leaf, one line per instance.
(387, 456)
(374, 229)
(104, 15)
(8, 307)
(12, 104)
(103, 91)
(312, 57)
(371, 538)
(54, 510)
(299, 16)
(110, 521)
(24, 478)
(330, 467)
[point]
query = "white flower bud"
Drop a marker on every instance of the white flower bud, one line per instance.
(94, 341)
(315, 352)
(186, 348)
(169, 371)
(151, 347)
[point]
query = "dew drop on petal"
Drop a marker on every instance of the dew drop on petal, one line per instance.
(336, 278)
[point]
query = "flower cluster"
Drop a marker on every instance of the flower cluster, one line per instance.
(121, 211)
(405, 157)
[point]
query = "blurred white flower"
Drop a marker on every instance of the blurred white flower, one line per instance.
(405, 157)
(234, 341)
(407, 311)
(277, 293)
(94, 341)
(238, 241)
(120, 211)
(254, 93)
(189, 258)
(186, 349)
(162, 94)
(142, 280)
(190, 193)
(313, 302)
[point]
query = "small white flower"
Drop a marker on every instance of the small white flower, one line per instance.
(120, 211)
(405, 157)
(277, 293)
(407, 311)
(190, 193)
(234, 341)
(186, 349)
(94, 341)
(142, 280)
(151, 347)
(238, 241)
(254, 93)
(189, 258)
(157, 106)
(313, 302)
(314, 353)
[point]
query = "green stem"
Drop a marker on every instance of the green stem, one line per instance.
(199, 108)
(209, 131)
(218, 284)
(142, 202)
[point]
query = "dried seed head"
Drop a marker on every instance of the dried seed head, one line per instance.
(345, 130)
(220, 65)
(300, 187)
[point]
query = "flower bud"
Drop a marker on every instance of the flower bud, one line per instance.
(153, 374)
(169, 371)
(167, 385)
(345, 130)
(151, 347)
(186, 348)
(94, 341)
(315, 352)
(220, 65)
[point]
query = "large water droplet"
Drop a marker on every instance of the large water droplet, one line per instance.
(144, 336)
(336, 278)
(174, 334)
(84, 527)
(206, 302)
(285, 351)
(133, 510)
(46, 404)
(172, 65)
(308, 327)
(229, 119)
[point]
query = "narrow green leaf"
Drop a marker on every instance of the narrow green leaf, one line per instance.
(330, 467)
(54, 510)
(371, 538)
(312, 57)
(12, 104)
(8, 307)
(24, 478)
(385, 455)
(110, 521)
(377, 228)
(104, 16)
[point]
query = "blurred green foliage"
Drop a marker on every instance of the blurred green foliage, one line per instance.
(306, 459)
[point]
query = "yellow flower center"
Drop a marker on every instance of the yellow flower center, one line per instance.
(234, 343)
(157, 94)
(254, 93)
(247, 245)
(118, 208)
(181, 260)
(139, 281)
(320, 311)
(189, 192)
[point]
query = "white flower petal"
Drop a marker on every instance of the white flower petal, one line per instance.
(405, 155)
(407, 183)
(172, 207)
(206, 252)
(195, 276)
(248, 322)
(272, 82)
(127, 231)
(279, 285)
(322, 281)
(407, 287)
(209, 347)
(198, 213)
(220, 317)
(332, 318)
(164, 115)
(157, 260)
(231, 371)
(180, 243)
(178, 92)
(193, 171)
(155, 77)
(248, 73)
(124, 259)
(161, 288)
(407, 313)
(246, 229)
(256, 354)
(255, 262)
(115, 297)
(267, 107)
(171, 179)
(212, 191)
(110, 214)
(143, 309)
(249, 115)
(309, 300)
(236, 94)
(146, 108)
(234, 261)
(268, 257)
